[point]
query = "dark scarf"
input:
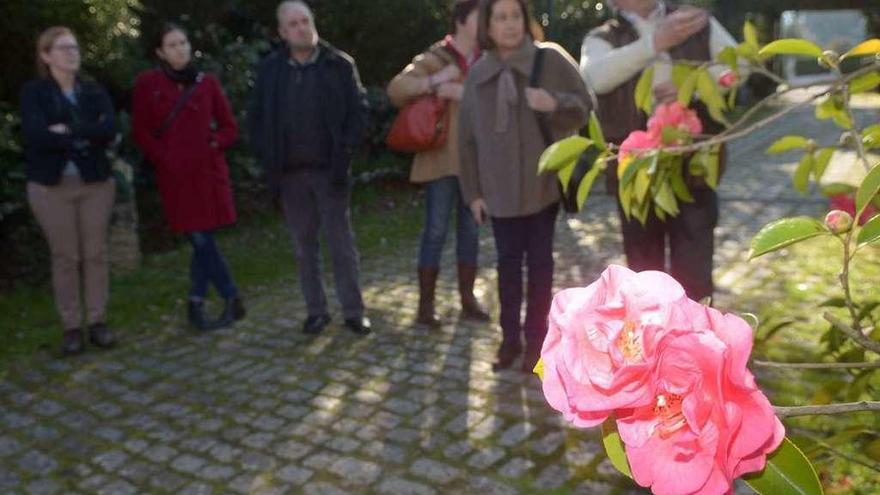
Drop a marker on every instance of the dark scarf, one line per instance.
(186, 76)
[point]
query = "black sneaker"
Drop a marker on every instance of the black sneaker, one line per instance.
(315, 324)
(73, 342)
(101, 336)
(233, 310)
(360, 326)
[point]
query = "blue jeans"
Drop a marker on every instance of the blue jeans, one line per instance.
(442, 195)
(208, 266)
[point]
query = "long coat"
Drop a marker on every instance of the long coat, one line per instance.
(191, 168)
(500, 165)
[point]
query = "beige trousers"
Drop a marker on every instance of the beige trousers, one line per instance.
(75, 219)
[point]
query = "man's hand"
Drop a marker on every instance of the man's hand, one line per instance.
(540, 100)
(479, 210)
(678, 26)
(450, 91)
(59, 129)
(665, 93)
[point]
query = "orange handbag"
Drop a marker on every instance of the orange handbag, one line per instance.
(421, 125)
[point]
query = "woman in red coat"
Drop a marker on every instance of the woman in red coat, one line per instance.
(182, 122)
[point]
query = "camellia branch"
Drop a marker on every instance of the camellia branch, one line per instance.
(857, 336)
(835, 452)
(817, 366)
(830, 409)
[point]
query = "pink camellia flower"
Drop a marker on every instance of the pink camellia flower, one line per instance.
(676, 115)
(838, 221)
(708, 423)
(847, 203)
(599, 352)
(638, 143)
(728, 79)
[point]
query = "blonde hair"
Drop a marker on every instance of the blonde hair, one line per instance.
(45, 42)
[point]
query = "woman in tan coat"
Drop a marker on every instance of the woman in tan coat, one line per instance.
(501, 140)
(441, 70)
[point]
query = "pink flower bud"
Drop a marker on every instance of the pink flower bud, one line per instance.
(838, 221)
(728, 79)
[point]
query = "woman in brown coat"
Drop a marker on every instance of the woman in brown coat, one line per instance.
(441, 70)
(500, 143)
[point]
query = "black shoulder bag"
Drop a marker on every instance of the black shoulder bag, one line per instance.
(178, 106)
(569, 199)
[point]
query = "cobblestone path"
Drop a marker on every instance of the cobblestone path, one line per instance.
(260, 408)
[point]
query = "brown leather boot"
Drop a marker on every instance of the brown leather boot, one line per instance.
(427, 284)
(470, 308)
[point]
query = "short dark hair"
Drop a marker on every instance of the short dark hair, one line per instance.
(486, 42)
(461, 9)
(164, 29)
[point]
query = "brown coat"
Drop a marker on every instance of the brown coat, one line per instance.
(405, 87)
(502, 167)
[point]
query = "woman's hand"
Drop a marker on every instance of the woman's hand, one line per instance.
(447, 74)
(665, 93)
(59, 129)
(451, 91)
(540, 100)
(479, 210)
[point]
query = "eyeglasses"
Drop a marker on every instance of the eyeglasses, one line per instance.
(67, 48)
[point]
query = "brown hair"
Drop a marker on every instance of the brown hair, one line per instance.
(461, 9)
(45, 42)
(529, 25)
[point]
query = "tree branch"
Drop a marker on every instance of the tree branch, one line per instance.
(833, 451)
(857, 336)
(842, 408)
(816, 366)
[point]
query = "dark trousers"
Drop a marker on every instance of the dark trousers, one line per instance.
(208, 266)
(691, 240)
(310, 204)
(530, 238)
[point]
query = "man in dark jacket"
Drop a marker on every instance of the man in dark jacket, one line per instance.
(306, 119)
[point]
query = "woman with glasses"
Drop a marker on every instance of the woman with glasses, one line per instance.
(68, 122)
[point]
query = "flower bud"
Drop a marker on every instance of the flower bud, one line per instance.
(838, 221)
(728, 79)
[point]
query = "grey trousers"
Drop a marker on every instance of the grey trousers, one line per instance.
(310, 204)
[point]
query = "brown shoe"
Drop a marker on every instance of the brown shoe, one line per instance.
(427, 286)
(470, 308)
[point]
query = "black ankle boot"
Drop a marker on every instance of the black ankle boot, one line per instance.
(73, 342)
(197, 318)
(101, 336)
(232, 311)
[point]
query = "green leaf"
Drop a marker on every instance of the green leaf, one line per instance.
(644, 94)
(864, 83)
(676, 180)
(709, 159)
(802, 174)
(634, 166)
(750, 34)
(822, 159)
(687, 88)
(871, 136)
(788, 143)
(791, 46)
(562, 153)
(870, 232)
(680, 72)
(831, 107)
(785, 232)
(614, 447)
(665, 199)
(596, 133)
(710, 94)
(625, 195)
(870, 47)
(868, 189)
(728, 56)
(642, 186)
(564, 175)
(768, 331)
(587, 183)
(788, 471)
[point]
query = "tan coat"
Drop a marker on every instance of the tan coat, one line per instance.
(502, 166)
(405, 87)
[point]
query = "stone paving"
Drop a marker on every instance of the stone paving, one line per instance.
(262, 409)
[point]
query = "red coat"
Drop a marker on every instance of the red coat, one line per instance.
(191, 168)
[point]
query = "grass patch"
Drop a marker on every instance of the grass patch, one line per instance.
(259, 251)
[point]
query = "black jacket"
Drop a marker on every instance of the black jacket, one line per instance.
(92, 124)
(343, 106)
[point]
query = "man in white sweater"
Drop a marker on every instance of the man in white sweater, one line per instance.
(645, 33)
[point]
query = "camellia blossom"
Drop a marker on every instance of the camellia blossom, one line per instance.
(673, 374)
(675, 115)
(838, 221)
(639, 143)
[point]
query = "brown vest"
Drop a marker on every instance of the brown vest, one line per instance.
(617, 110)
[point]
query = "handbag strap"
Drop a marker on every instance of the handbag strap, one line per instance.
(178, 106)
(534, 80)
